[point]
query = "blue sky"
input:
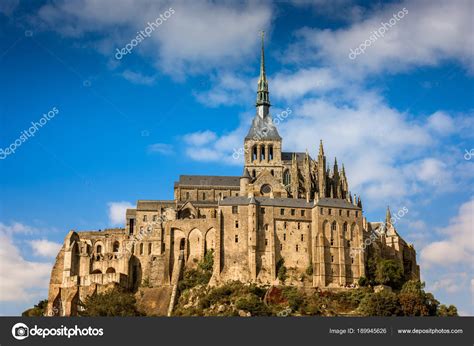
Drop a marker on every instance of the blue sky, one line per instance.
(399, 116)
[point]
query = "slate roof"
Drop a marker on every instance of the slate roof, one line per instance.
(289, 202)
(336, 203)
(287, 156)
(209, 180)
(153, 205)
(263, 128)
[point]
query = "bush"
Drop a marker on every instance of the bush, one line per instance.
(444, 311)
(309, 270)
(111, 303)
(200, 276)
(414, 301)
(37, 311)
(363, 281)
(253, 304)
(281, 270)
(390, 273)
(380, 304)
(294, 297)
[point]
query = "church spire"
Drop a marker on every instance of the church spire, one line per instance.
(263, 98)
(388, 217)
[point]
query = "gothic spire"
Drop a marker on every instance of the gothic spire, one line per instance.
(321, 149)
(388, 216)
(263, 98)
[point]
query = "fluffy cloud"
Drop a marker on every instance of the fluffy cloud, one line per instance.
(431, 32)
(117, 211)
(20, 280)
(138, 78)
(45, 248)
(457, 245)
(200, 138)
(199, 36)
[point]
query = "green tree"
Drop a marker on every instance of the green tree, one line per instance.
(444, 311)
(414, 301)
(37, 311)
(115, 302)
(281, 270)
(383, 303)
(390, 273)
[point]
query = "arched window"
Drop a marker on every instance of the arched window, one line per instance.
(149, 248)
(254, 153)
(270, 152)
(98, 249)
(116, 246)
(141, 248)
(272, 172)
(286, 178)
(344, 228)
(110, 270)
(333, 226)
(96, 271)
(262, 153)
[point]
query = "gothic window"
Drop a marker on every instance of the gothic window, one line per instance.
(286, 177)
(270, 153)
(98, 249)
(149, 248)
(254, 153)
(141, 248)
(262, 153)
(116, 246)
(333, 226)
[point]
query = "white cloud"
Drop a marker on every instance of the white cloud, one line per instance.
(200, 138)
(16, 228)
(441, 123)
(431, 32)
(20, 280)
(138, 78)
(45, 248)
(161, 148)
(457, 245)
(200, 36)
(228, 89)
(117, 212)
(451, 282)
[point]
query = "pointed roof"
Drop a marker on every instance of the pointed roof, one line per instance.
(262, 91)
(321, 149)
(246, 173)
(388, 216)
(262, 128)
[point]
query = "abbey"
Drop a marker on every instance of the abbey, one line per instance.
(285, 209)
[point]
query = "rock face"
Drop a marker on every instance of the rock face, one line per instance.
(287, 213)
(153, 301)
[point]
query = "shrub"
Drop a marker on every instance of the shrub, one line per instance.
(294, 297)
(389, 272)
(444, 311)
(363, 281)
(281, 270)
(37, 311)
(114, 302)
(380, 304)
(253, 304)
(414, 301)
(309, 270)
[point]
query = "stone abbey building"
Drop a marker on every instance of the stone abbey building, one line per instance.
(286, 208)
